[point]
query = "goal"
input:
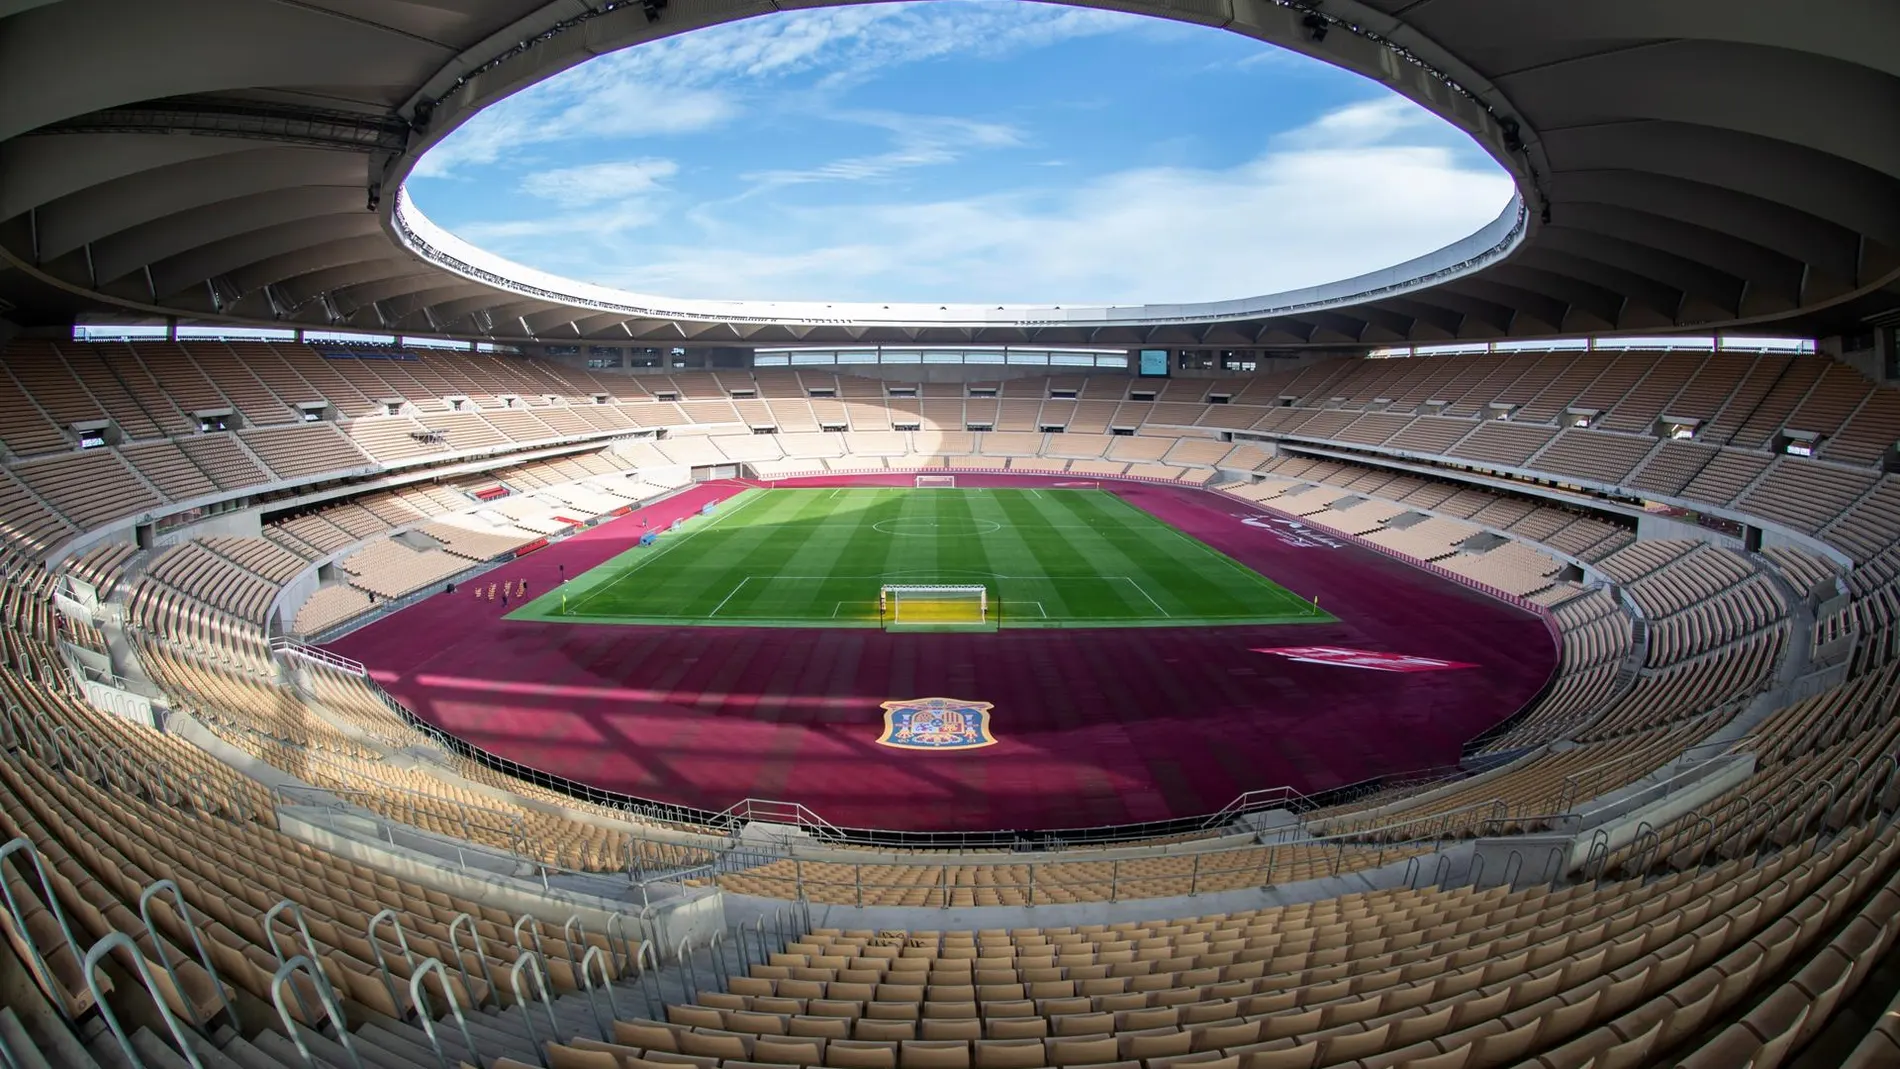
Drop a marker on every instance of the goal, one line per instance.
(936, 482)
(934, 606)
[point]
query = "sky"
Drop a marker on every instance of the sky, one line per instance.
(958, 151)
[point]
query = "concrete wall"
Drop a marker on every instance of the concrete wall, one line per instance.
(355, 838)
(245, 523)
(1650, 526)
(121, 703)
(292, 595)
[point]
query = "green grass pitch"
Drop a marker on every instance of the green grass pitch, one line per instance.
(817, 557)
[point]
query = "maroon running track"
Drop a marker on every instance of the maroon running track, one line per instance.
(1093, 726)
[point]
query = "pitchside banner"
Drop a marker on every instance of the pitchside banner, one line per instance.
(1377, 662)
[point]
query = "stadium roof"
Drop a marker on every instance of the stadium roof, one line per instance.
(1696, 164)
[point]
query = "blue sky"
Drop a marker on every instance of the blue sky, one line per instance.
(985, 151)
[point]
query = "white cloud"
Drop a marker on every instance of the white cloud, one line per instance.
(917, 141)
(1368, 122)
(698, 81)
(1302, 212)
(595, 182)
(1358, 188)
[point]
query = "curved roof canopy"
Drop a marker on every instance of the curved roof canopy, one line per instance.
(1696, 164)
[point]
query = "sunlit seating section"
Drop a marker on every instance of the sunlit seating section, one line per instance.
(89, 489)
(1008, 444)
(1310, 500)
(330, 606)
(1526, 795)
(1038, 465)
(1502, 444)
(192, 571)
(390, 569)
(303, 451)
(748, 448)
(1512, 567)
(1197, 452)
(1585, 537)
(396, 439)
(1363, 516)
(311, 535)
(1430, 539)
(1590, 456)
(103, 565)
(280, 726)
(1595, 645)
(1805, 495)
(1871, 526)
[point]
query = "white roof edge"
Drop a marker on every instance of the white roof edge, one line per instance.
(1491, 243)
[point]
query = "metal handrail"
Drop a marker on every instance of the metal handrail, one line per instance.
(522, 1001)
(721, 822)
(535, 931)
(573, 934)
(42, 972)
(309, 942)
(183, 909)
(599, 959)
(649, 964)
(481, 952)
(324, 995)
(292, 648)
(120, 941)
(382, 964)
(426, 1015)
(684, 953)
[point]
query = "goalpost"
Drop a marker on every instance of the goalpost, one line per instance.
(901, 605)
(936, 482)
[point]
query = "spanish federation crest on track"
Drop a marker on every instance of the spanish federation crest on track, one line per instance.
(937, 724)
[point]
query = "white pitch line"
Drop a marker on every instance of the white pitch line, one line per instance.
(665, 546)
(728, 597)
(1145, 594)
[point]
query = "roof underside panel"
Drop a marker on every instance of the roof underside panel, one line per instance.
(1686, 165)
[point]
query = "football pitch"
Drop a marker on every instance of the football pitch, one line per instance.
(818, 558)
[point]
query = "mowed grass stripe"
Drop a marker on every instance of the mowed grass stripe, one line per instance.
(1075, 589)
(813, 558)
(1225, 581)
(1207, 591)
(808, 548)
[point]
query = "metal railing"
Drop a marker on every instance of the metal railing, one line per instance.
(523, 855)
(292, 648)
(726, 823)
(1038, 882)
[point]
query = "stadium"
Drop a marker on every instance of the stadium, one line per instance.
(418, 657)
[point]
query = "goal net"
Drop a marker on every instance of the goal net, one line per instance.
(934, 606)
(936, 482)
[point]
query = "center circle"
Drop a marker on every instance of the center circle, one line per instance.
(920, 528)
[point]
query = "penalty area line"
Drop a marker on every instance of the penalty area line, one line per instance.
(728, 597)
(1145, 594)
